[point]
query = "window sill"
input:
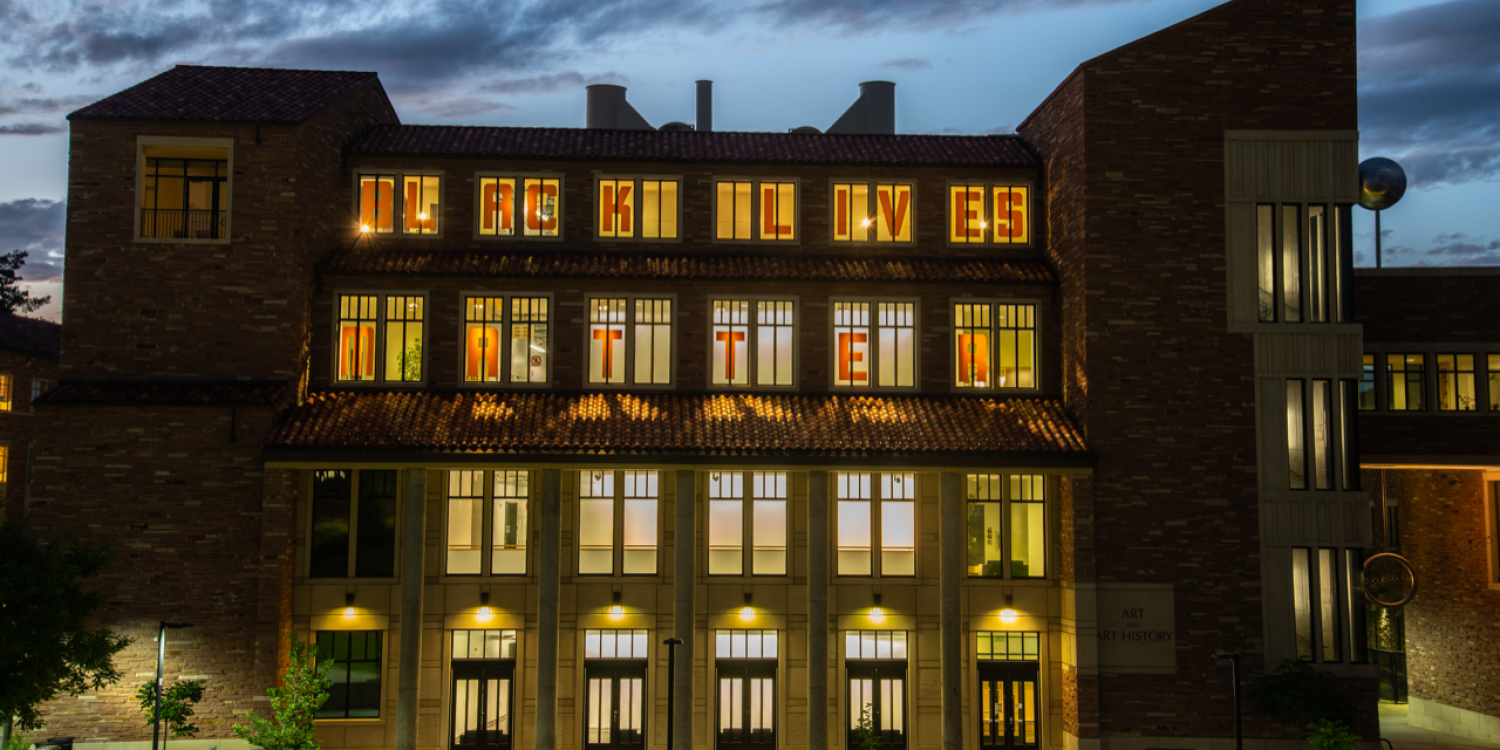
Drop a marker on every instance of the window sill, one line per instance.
(180, 241)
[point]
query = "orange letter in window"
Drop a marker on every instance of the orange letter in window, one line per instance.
(484, 349)
(966, 207)
(608, 337)
(769, 228)
(894, 219)
(730, 338)
(376, 203)
(541, 207)
(358, 345)
(841, 213)
(973, 359)
(498, 201)
(1014, 215)
(848, 357)
(614, 204)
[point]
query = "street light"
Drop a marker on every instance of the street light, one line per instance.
(671, 644)
(1233, 659)
(161, 656)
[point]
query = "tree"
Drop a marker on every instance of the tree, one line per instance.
(176, 706)
(12, 297)
(293, 705)
(1299, 693)
(46, 650)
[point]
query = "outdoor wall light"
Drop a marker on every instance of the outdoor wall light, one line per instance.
(616, 612)
(877, 615)
(747, 613)
(348, 605)
(1008, 615)
(485, 613)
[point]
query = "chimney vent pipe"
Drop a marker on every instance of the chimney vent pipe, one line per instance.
(608, 110)
(705, 106)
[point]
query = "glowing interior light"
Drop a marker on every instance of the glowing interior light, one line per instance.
(485, 613)
(1008, 615)
(422, 216)
(538, 348)
(877, 615)
(348, 613)
(865, 223)
(364, 228)
(747, 614)
(983, 224)
(616, 612)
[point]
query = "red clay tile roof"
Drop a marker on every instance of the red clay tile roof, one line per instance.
(565, 264)
(165, 393)
(31, 335)
(677, 423)
(201, 93)
(716, 146)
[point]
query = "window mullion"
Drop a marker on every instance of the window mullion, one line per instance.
(353, 521)
(876, 529)
(1006, 520)
(1278, 272)
(747, 524)
(617, 554)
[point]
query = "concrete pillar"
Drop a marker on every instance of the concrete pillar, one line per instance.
(548, 577)
(409, 670)
(683, 620)
(951, 545)
(817, 610)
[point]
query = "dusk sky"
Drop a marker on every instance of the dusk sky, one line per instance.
(1429, 78)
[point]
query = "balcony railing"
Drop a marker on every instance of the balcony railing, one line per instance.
(183, 224)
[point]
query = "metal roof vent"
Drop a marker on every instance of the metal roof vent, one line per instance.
(676, 127)
(608, 110)
(804, 129)
(874, 112)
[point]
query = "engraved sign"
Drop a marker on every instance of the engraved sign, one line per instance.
(1137, 628)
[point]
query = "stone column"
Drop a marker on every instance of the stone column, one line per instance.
(683, 620)
(817, 610)
(409, 669)
(547, 620)
(951, 544)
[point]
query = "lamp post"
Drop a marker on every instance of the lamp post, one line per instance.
(1233, 659)
(671, 644)
(161, 656)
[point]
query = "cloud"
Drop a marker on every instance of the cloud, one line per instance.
(1456, 249)
(36, 226)
(36, 105)
(1006, 129)
(1430, 90)
(463, 107)
(33, 128)
(908, 63)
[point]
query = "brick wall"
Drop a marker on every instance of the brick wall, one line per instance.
(1451, 626)
(1163, 393)
(1412, 305)
(189, 514)
(18, 425)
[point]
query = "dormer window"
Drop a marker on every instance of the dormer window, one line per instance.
(183, 189)
(872, 212)
(399, 203)
(527, 206)
(637, 209)
(747, 210)
(987, 214)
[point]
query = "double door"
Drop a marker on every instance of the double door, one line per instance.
(482, 699)
(1008, 707)
(747, 705)
(615, 715)
(877, 703)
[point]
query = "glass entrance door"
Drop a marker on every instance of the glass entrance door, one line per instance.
(1008, 707)
(877, 690)
(747, 705)
(482, 705)
(615, 716)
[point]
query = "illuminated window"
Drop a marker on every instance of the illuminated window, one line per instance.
(637, 208)
(4, 464)
(730, 518)
(1303, 262)
(185, 193)
(1320, 431)
(1367, 384)
(487, 511)
(354, 679)
(6, 392)
(1404, 382)
(630, 340)
(745, 644)
(989, 214)
(617, 522)
(1008, 646)
(989, 496)
(872, 212)
(1492, 379)
(537, 215)
(415, 198)
(875, 644)
(1328, 604)
(994, 345)
(755, 210)
(403, 338)
(520, 320)
(399, 351)
(878, 333)
(484, 644)
(614, 644)
(753, 342)
(353, 524)
(1456, 382)
(883, 510)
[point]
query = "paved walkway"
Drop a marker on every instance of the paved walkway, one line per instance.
(1404, 736)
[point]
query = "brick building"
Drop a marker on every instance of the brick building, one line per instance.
(28, 366)
(1430, 453)
(990, 437)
